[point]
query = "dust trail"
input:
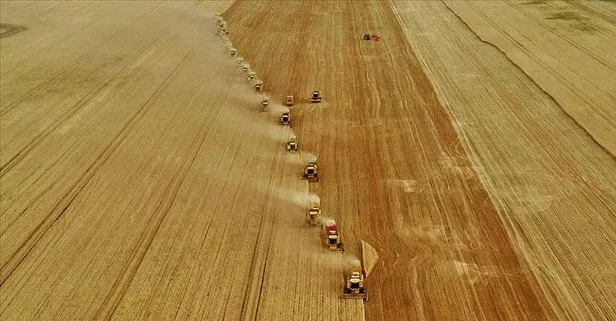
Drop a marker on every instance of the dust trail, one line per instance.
(277, 110)
(293, 158)
(348, 263)
(308, 157)
(352, 262)
(314, 199)
(287, 134)
(246, 97)
(298, 198)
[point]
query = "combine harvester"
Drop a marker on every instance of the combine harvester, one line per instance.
(316, 97)
(332, 237)
(313, 217)
(285, 118)
(354, 284)
(292, 144)
(310, 172)
(357, 272)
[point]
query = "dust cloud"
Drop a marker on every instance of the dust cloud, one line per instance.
(300, 199)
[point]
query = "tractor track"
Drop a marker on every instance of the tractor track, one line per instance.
(142, 161)
(110, 303)
(10, 30)
(70, 196)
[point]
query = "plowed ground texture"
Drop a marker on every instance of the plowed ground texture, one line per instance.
(140, 180)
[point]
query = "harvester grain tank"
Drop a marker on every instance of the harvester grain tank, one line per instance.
(316, 97)
(292, 144)
(354, 285)
(311, 173)
(285, 118)
(332, 237)
(313, 216)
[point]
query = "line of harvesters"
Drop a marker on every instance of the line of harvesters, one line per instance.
(354, 278)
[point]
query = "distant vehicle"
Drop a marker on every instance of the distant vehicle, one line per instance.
(310, 173)
(313, 215)
(285, 119)
(292, 144)
(316, 97)
(354, 286)
(332, 238)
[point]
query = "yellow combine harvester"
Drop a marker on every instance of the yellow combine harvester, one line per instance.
(310, 172)
(316, 97)
(314, 215)
(285, 118)
(292, 144)
(354, 285)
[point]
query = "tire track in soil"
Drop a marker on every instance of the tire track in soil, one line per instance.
(129, 271)
(592, 133)
(10, 30)
(65, 202)
(543, 168)
(84, 101)
(9, 71)
(120, 287)
(375, 212)
(562, 36)
(258, 263)
(60, 76)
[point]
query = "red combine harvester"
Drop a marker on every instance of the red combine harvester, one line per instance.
(332, 238)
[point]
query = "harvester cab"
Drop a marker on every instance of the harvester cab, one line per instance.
(233, 51)
(316, 97)
(313, 215)
(285, 119)
(354, 285)
(289, 101)
(252, 75)
(310, 173)
(332, 239)
(265, 104)
(259, 85)
(292, 144)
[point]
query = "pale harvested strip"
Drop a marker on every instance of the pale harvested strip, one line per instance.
(555, 188)
(56, 145)
(569, 52)
(157, 190)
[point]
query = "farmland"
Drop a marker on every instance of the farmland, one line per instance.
(470, 144)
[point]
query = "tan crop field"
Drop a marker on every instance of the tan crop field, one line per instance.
(466, 153)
